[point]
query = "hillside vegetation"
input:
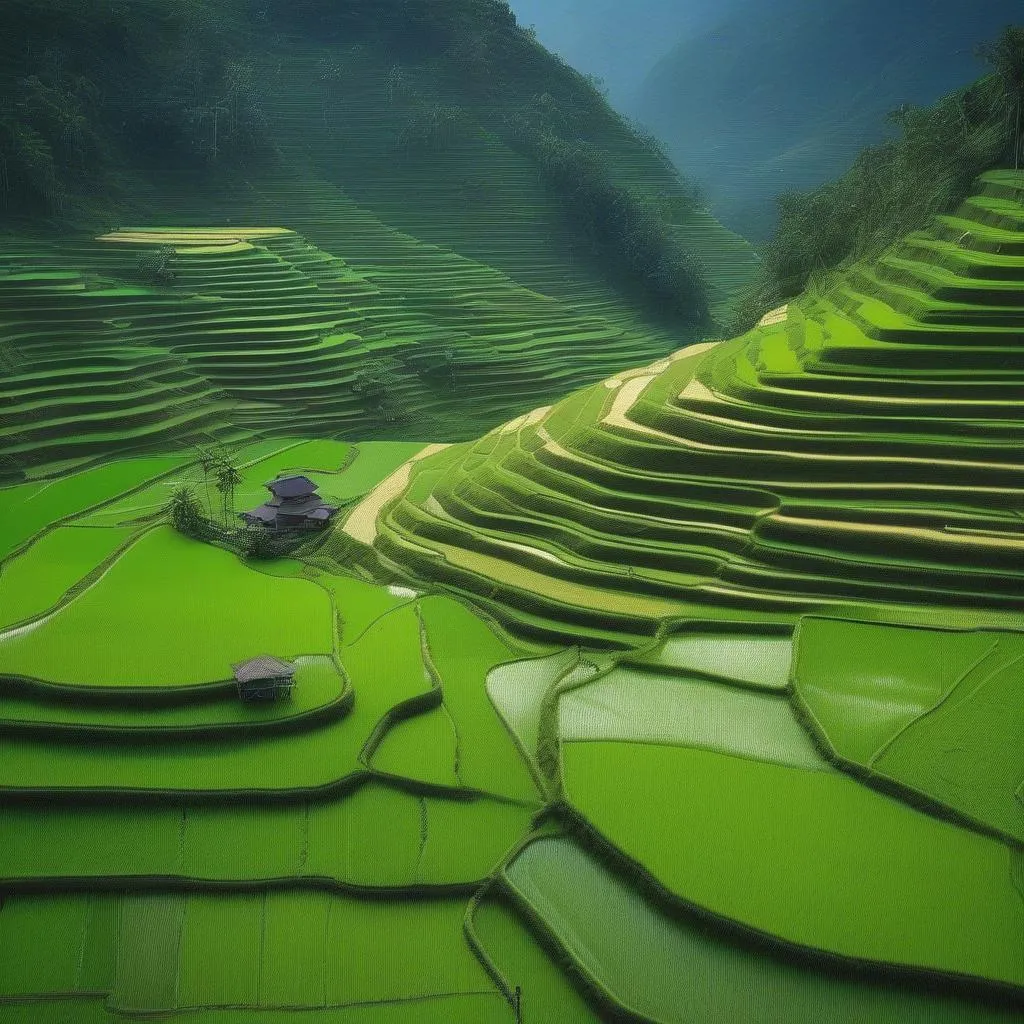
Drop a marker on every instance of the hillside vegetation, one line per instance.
(857, 451)
(689, 692)
(781, 97)
(594, 728)
(843, 478)
(387, 217)
(101, 98)
(898, 186)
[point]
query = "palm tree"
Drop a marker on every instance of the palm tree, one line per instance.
(228, 478)
(208, 460)
(184, 511)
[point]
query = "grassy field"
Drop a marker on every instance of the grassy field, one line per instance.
(644, 959)
(810, 856)
(375, 858)
(170, 612)
(933, 710)
(694, 696)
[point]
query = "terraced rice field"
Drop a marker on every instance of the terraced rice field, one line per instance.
(596, 917)
(694, 696)
(194, 816)
(859, 456)
(458, 270)
(786, 574)
(260, 331)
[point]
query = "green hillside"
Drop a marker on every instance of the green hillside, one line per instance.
(694, 695)
(425, 242)
(809, 540)
(859, 453)
(776, 98)
(688, 692)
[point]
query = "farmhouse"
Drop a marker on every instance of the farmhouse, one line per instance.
(294, 505)
(264, 678)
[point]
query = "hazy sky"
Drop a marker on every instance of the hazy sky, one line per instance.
(618, 40)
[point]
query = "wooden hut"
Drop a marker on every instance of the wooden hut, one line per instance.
(293, 505)
(264, 678)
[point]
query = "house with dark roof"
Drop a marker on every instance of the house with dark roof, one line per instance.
(264, 678)
(293, 505)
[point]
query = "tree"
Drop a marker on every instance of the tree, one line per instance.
(185, 513)
(375, 381)
(1006, 56)
(154, 267)
(257, 542)
(446, 366)
(208, 459)
(892, 188)
(228, 478)
(432, 128)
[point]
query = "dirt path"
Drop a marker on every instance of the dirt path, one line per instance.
(362, 523)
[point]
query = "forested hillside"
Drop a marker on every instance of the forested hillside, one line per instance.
(102, 100)
(783, 96)
(472, 228)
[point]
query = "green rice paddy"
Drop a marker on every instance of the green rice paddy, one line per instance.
(198, 608)
(812, 857)
(840, 461)
(648, 959)
(693, 696)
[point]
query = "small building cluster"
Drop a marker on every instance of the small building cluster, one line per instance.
(293, 505)
(264, 678)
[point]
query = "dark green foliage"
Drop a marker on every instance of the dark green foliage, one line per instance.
(186, 514)
(619, 222)
(376, 381)
(217, 463)
(203, 111)
(228, 478)
(445, 366)
(92, 86)
(28, 173)
(261, 544)
(433, 128)
(46, 136)
(1006, 55)
(103, 94)
(375, 378)
(155, 267)
(418, 29)
(894, 188)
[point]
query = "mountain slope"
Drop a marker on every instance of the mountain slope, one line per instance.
(787, 570)
(857, 451)
(413, 258)
(783, 97)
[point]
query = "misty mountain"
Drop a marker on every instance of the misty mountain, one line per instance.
(782, 96)
(619, 43)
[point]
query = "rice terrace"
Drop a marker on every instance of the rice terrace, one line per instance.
(449, 577)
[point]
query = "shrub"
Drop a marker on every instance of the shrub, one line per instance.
(445, 366)
(154, 267)
(1006, 56)
(259, 543)
(432, 128)
(186, 514)
(28, 170)
(376, 381)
